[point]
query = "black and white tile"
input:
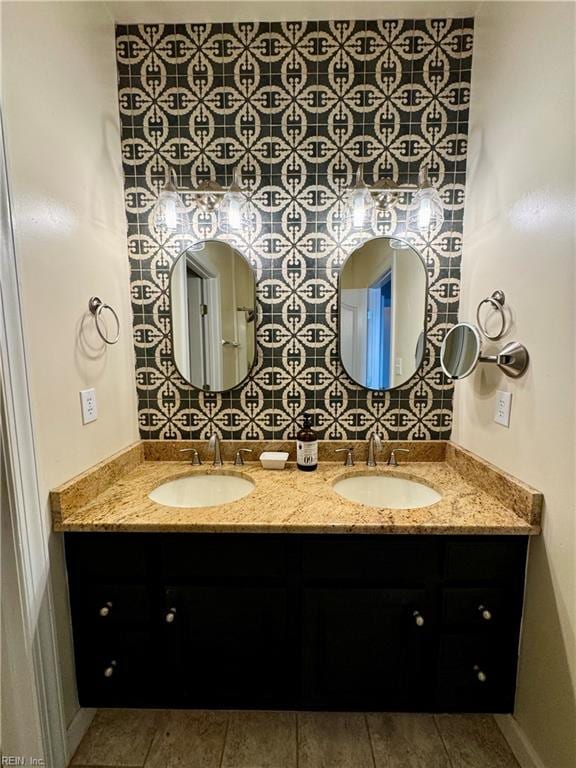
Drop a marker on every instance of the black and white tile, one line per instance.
(296, 106)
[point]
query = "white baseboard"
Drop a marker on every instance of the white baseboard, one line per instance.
(77, 729)
(523, 750)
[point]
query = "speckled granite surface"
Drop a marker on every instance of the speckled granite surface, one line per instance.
(298, 502)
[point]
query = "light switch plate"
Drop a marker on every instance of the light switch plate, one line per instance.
(89, 408)
(503, 406)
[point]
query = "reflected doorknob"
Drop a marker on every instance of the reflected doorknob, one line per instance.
(170, 616)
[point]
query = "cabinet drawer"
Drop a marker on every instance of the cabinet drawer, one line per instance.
(486, 559)
(370, 559)
(481, 607)
(476, 674)
(111, 606)
(104, 558)
(216, 559)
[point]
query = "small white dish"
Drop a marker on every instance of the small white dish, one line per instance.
(274, 459)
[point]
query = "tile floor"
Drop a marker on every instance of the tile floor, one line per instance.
(202, 739)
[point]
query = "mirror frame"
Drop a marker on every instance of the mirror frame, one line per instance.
(470, 370)
(423, 333)
(255, 281)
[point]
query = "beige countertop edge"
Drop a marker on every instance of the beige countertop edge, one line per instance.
(390, 530)
(82, 488)
(125, 506)
(524, 500)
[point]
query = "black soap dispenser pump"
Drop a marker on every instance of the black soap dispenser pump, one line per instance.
(307, 446)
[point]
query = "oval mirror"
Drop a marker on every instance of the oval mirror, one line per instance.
(461, 350)
(212, 298)
(382, 313)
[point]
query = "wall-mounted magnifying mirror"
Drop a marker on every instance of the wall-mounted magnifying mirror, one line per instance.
(462, 351)
(382, 313)
(212, 296)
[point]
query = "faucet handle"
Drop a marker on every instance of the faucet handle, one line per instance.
(392, 461)
(349, 461)
(195, 455)
(239, 460)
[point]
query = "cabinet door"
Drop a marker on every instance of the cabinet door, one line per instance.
(229, 646)
(116, 659)
(118, 670)
(476, 673)
(367, 648)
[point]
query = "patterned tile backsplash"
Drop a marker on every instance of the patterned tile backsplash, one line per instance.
(297, 106)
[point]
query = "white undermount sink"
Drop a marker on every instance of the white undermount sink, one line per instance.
(386, 491)
(202, 490)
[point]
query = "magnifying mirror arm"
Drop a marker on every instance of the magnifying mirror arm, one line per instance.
(513, 359)
(462, 351)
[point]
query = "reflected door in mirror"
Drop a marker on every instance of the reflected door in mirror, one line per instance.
(212, 295)
(383, 288)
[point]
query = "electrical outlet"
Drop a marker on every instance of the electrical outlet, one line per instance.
(89, 408)
(503, 405)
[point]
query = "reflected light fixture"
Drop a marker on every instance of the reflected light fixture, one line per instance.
(425, 214)
(169, 213)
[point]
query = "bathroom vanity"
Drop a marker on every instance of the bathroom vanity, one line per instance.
(424, 623)
(293, 597)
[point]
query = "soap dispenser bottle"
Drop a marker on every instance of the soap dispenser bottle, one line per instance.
(307, 446)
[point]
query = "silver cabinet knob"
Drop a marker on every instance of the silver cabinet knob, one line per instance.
(485, 613)
(109, 671)
(170, 616)
(481, 676)
(418, 618)
(105, 610)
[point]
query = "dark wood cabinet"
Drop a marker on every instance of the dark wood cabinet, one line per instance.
(422, 623)
(229, 646)
(366, 648)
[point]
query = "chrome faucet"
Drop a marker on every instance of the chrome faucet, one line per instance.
(392, 460)
(195, 456)
(214, 445)
(239, 460)
(374, 445)
(349, 460)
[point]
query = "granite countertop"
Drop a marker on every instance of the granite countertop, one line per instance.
(476, 498)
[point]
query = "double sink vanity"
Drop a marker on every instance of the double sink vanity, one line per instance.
(352, 587)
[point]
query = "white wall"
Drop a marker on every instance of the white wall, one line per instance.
(64, 164)
(175, 11)
(519, 237)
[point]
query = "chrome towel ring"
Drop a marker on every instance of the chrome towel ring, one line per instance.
(97, 306)
(496, 301)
